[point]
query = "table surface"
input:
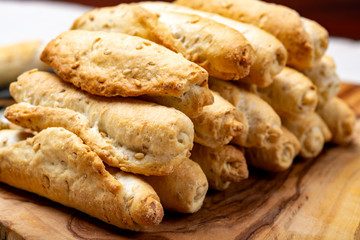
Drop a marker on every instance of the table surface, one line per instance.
(317, 199)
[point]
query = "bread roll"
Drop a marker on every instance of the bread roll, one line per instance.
(157, 133)
(38, 118)
(340, 119)
(18, 58)
(222, 51)
(262, 126)
(270, 53)
(291, 93)
(184, 190)
(115, 64)
(325, 78)
(217, 124)
(277, 157)
(283, 22)
(222, 165)
(130, 19)
(57, 165)
(310, 130)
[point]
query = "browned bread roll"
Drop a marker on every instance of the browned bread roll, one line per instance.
(159, 137)
(325, 78)
(340, 119)
(270, 54)
(183, 190)
(222, 51)
(291, 93)
(277, 157)
(115, 64)
(310, 130)
(284, 23)
(222, 165)
(262, 125)
(217, 124)
(56, 164)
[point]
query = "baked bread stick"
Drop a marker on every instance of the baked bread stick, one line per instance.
(262, 126)
(310, 130)
(19, 57)
(56, 164)
(270, 53)
(130, 19)
(222, 51)
(278, 156)
(38, 118)
(183, 190)
(283, 22)
(217, 124)
(325, 78)
(339, 118)
(291, 93)
(154, 135)
(222, 166)
(115, 64)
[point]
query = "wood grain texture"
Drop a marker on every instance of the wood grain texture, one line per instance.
(314, 199)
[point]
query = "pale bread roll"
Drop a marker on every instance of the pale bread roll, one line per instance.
(157, 133)
(270, 53)
(10, 136)
(220, 50)
(283, 22)
(19, 57)
(291, 93)
(183, 190)
(38, 118)
(277, 157)
(56, 164)
(310, 130)
(340, 119)
(222, 166)
(262, 125)
(115, 64)
(217, 124)
(325, 78)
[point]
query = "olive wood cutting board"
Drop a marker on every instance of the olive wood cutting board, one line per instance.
(314, 199)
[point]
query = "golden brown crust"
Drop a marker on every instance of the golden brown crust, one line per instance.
(183, 190)
(340, 119)
(116, 64)
(57, 165)
(277, 157)
(217, 124)
(262, 126)
(191, 103)
(291, 93)
(222, 51)
(270, 53)
(319, 36)
(129, 19)
(161, 134)
(222, 165)
(269, 17)
(310, 130)
(325, 78)
(19, 57)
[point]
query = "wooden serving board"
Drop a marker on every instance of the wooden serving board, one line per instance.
(314, 199)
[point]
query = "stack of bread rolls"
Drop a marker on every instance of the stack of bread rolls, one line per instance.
(153, 103)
